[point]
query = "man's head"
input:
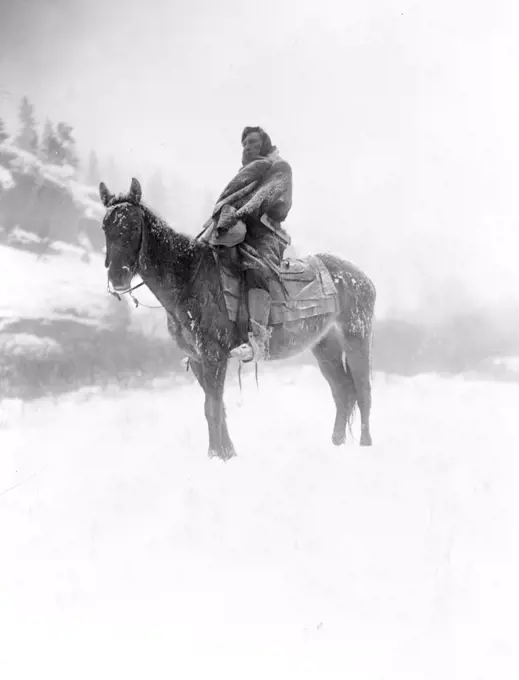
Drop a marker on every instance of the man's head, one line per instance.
(256, 144)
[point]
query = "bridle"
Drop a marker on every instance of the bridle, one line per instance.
(130, 290)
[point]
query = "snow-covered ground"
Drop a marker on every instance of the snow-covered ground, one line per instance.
(127, 553)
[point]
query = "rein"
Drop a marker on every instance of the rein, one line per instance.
(129, 292)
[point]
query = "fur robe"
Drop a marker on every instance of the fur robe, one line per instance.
(262, 188)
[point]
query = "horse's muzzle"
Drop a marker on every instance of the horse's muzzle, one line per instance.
(121, 281)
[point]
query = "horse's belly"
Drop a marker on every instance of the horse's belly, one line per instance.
(293, 337)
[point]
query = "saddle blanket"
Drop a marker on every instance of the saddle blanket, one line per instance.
(309, 291)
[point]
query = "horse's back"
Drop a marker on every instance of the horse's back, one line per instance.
(348, 275)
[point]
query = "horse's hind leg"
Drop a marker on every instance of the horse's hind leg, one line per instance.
(329, 355)
(358, 358)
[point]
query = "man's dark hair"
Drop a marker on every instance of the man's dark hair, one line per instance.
(267, 146)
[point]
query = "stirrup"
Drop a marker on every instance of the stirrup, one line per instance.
(257, 347)
(243, 353)
(251, 351)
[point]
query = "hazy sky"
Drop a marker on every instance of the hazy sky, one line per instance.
(400, 118)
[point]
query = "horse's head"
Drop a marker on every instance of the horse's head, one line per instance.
(122, 225)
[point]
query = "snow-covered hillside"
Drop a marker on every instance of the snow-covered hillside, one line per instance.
(62, 176)
(59, 327)
(47, 199)
(53, 287)
(38, 292)
(62, 286)
(127, 553)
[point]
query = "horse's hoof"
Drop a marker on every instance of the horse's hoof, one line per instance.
(338, 438)
(224, 454)
(227, 454)
(365, 440)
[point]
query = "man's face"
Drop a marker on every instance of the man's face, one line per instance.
(251, 147)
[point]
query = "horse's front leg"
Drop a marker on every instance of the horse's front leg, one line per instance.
(211, 376)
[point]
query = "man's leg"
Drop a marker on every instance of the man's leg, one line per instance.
(259, 310)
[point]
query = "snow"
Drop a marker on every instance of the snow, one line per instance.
(22, 237)
(511, 363)
(88, 197)
(24, 343)
(62, 176)
(40, 288)
(6, 179)
(128, 553)
(26, 162)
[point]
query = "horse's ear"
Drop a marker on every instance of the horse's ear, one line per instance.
(135, 190)
(104, 194)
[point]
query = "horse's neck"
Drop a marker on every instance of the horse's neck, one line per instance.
(168, 259)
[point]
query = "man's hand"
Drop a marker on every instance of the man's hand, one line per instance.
(221, 230)
(228, 219)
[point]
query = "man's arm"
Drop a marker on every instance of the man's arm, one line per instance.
(252, 172)
(274, 196)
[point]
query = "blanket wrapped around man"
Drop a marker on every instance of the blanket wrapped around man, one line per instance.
(260, 195)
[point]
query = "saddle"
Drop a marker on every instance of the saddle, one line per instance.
(302, 288)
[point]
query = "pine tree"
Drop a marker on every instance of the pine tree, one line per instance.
(27, 138)
(3, 131)
(50, 148)
(93, 172)
(67, 144)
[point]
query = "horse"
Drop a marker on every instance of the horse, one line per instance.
(185, 277)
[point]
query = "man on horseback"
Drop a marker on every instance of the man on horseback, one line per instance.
(260, 198)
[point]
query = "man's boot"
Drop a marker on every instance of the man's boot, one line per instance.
(258, 347)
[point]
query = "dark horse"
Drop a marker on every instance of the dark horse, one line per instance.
(183, 275)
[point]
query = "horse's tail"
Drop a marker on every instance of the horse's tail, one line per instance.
(369, 322)
(363, 322)
(352, 395)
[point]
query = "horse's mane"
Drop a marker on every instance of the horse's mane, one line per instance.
(188, 252)
(193, 259)
(158, 225)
